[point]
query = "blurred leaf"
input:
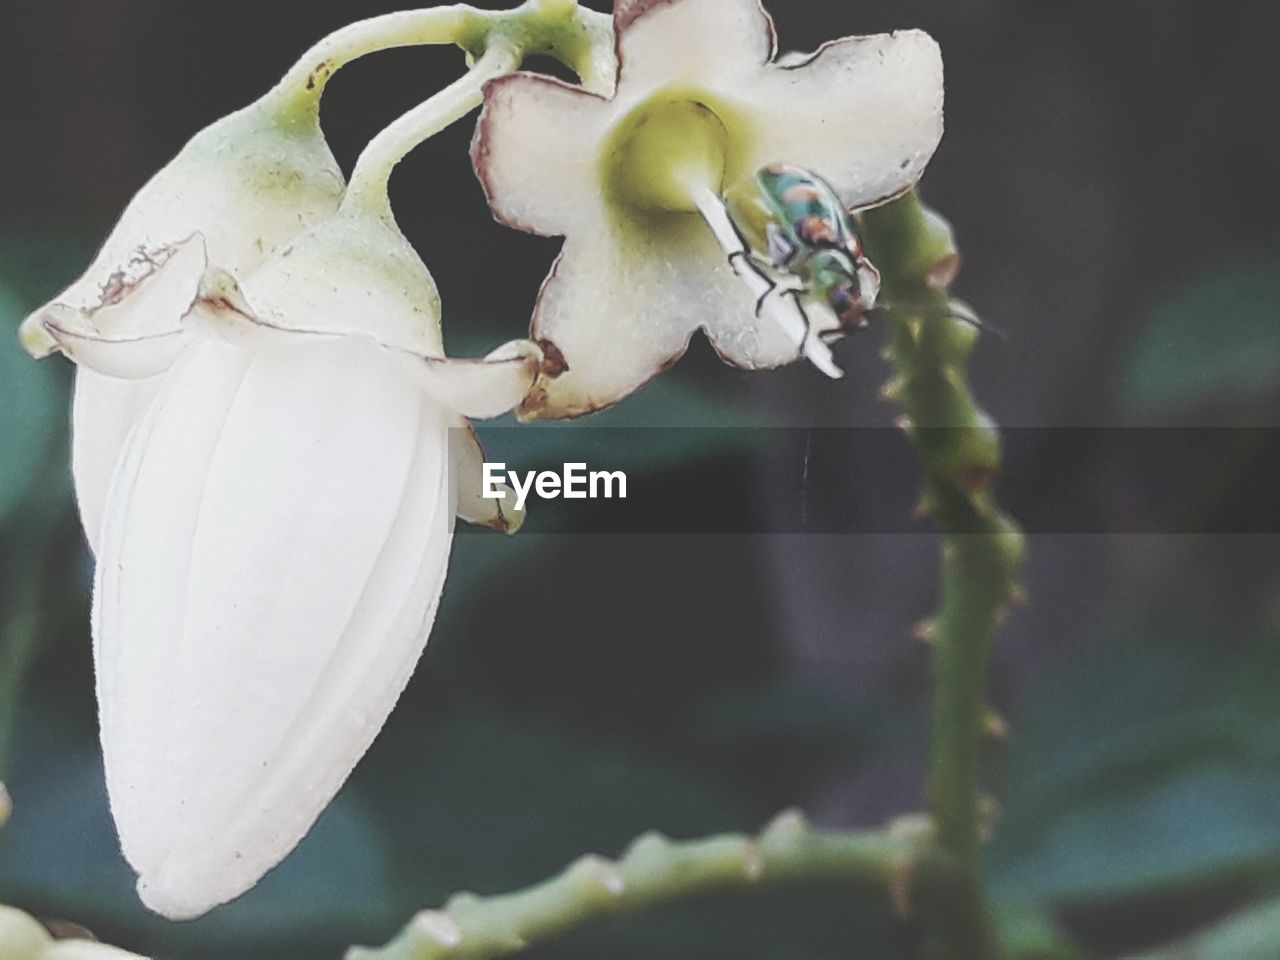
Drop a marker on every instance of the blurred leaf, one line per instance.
(1216, 336)
(798, 711)
(1150, 766)
(482, 804)
(31, 411)
(831, 921)
(59, 856)
(1252, 935)
(485, 804)
(609, 440)
(1028, 934)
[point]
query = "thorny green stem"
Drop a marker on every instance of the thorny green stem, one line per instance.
(959, 449)
(654, 870)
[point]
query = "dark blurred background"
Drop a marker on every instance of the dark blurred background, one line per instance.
(1110, 169)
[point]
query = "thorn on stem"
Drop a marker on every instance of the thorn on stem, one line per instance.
(891, 392)
(753, 860)
(648, 846)
(943, 273)
(439, 927)
(995, 726)
(910, 826)
(901, 882)
(603, 872)
(462, 901)
(988, 815)
(926, 631)
(786, 827)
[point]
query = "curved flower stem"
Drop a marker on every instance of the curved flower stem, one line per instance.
(368, 187)
(581, 39)
(305, 82)
(654, 870)
(959, 449)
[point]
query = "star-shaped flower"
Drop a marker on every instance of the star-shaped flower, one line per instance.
(701, 102)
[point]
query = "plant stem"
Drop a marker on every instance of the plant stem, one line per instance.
(305, 82)
(959, 449)
(654, 870)
(497, 43)
(372, 173)
(581, 39)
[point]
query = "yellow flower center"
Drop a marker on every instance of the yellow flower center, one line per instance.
(663, 151)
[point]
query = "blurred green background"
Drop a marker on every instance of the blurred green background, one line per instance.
(1110, 170)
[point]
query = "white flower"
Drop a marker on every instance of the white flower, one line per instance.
(275, 538)
(235, 192)
(699, 103)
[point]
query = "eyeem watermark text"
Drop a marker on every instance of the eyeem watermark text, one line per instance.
(574, 482)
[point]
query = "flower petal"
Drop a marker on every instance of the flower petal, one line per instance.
(689, 41)
(246, 183)
(863, 112)
(468, 466)
(534, 151)
(134, 331)
(619, 310)
(263, 598)
(483, 388)
(102, 415)
(614, 317)
(152, 503)
(138, 358)
(354, 275)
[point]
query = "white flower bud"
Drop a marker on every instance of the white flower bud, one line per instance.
(275, 537)
(236, 191)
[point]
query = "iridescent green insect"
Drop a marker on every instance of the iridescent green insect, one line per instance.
(795, 226)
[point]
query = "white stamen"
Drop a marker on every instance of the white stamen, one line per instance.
(781, 309)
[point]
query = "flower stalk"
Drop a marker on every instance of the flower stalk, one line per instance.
(580, 38)
(959, 449)
(305, 82)
(496, 42)
(654, 870)
(372, 173)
